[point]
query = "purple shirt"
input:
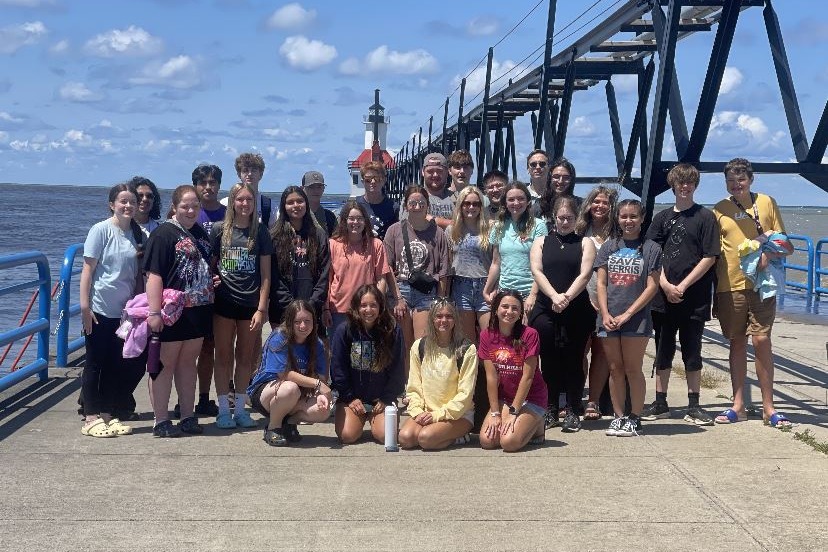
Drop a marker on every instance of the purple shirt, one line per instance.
(207, 218)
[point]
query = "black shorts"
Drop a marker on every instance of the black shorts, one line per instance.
(690, 332)
(231, 310)
(195, 322)
(256, 399)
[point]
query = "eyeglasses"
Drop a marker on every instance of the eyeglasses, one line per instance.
(356, 219)
(565, 219)
(145, 196)
(538, 164)
(417, 203)
(471, 204)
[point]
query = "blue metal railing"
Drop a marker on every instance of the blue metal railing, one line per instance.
(818, 271)
(40, 365)
(808, 268)
(66, 310)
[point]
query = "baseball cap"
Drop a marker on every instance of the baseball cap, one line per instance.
(313, 177)
(435, 159)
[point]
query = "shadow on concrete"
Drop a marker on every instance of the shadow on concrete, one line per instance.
(33, 399)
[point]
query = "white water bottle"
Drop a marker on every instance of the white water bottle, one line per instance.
(391, 417)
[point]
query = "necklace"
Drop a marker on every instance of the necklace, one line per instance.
(557, 237)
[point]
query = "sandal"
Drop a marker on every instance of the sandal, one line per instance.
(537, 439)
(729, 416)
(119, 428)
(274, 437)
(779, 421)
(592, 412)
(97, 428)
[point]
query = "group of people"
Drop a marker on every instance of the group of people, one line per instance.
(476, 309)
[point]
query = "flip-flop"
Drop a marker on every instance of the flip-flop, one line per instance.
(728, 416)
(779, 421)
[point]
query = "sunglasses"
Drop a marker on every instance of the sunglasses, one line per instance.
(538, 164)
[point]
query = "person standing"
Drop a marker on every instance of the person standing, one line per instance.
(440, 198)
(537, 165)
(493, 184)
(250, 169)
(741, 216)
(149, 204)
(313, 182)
(461, 168)
(689, 240)
(381, 209)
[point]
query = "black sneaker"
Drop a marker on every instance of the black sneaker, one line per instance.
(165, 429)
(177, 412)
(291, 432)
(571, 423)
(551, 420)
(656, 411)
(698, 416)
(190, 425)
(207, 408)
(631, 428)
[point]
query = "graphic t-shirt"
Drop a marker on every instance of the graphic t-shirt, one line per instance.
(275, 360)
(382, 214)
(469, 260)
(628, 264)
(180, 258)
(239, 267)
(207, 218)
(514, 255)
(429, 250)
(686, 237)
(509, 364)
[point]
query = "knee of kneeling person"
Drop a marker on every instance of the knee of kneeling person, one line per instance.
(511, 443)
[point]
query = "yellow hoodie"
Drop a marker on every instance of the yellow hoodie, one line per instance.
(438, 387)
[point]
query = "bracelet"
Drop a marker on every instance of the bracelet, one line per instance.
(494, 414)
(153, 313)
(318, 386)
(261, 311)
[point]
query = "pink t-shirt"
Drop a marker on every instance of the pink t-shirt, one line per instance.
(352, 267)
(509, 364)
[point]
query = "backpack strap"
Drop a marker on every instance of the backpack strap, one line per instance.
(267, 207)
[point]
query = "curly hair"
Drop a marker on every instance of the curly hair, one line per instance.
(136, 181)
(249, 160)
(585, 220)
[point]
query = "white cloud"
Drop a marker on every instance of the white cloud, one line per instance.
(484, 25)
(382, 60)
(306, 55)
(625, 83)
(177, 72)
(14, 37)
(731, 79)
(291, 16)
(476, 81)
(132, 41)
(9, 118)
(77, 92)
(734, 131)
(60, 47)
(582, 126)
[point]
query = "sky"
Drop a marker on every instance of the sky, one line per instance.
(95, 92)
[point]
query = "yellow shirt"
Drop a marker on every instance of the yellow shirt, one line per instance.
(736, 227)
(437, 387)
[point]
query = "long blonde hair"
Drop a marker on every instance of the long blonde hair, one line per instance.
(430, 339)
(458, 227)
(230, 217)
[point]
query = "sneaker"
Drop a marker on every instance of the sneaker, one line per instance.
(698, 416)
(571, 423)
(656, 411)
(615, 426)
(207, 408)
(243, 419)
(165, 429)
(274, 437)
(630, 428)
(177, 412)
(291, 432)
(551, 419)
(225, 421)
(463, 439)
(190, 425)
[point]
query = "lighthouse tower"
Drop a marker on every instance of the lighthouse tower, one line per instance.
(376, 131)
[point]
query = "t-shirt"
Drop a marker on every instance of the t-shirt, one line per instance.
(149, 226)
(275, 360)
(509, 364)
(737, 226)
(207, 218)
(468, 259)
(239, 268)
(326, 219)
(514, 255)
(429, 250)
(439, 205)
(352, 267)
(628, 265)
(113, 281)
(382, 214)
(180, 258)
(686, 237)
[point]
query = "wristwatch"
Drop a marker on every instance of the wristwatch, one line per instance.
(513, 411)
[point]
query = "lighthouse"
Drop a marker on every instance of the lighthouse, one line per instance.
(376, 131)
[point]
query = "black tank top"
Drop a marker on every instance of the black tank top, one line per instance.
(561, 264)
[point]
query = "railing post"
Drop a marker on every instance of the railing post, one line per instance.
(65, 308)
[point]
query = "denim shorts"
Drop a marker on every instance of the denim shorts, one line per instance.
(531, 408)
(467, 294)
(602, 332)
(416, 300)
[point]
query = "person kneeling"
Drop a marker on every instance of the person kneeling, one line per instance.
(289, 386)
(367, 367)
(440, 383)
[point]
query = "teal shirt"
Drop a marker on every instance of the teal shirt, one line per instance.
(514, 256)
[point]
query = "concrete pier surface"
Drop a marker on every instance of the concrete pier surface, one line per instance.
(744, 487)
